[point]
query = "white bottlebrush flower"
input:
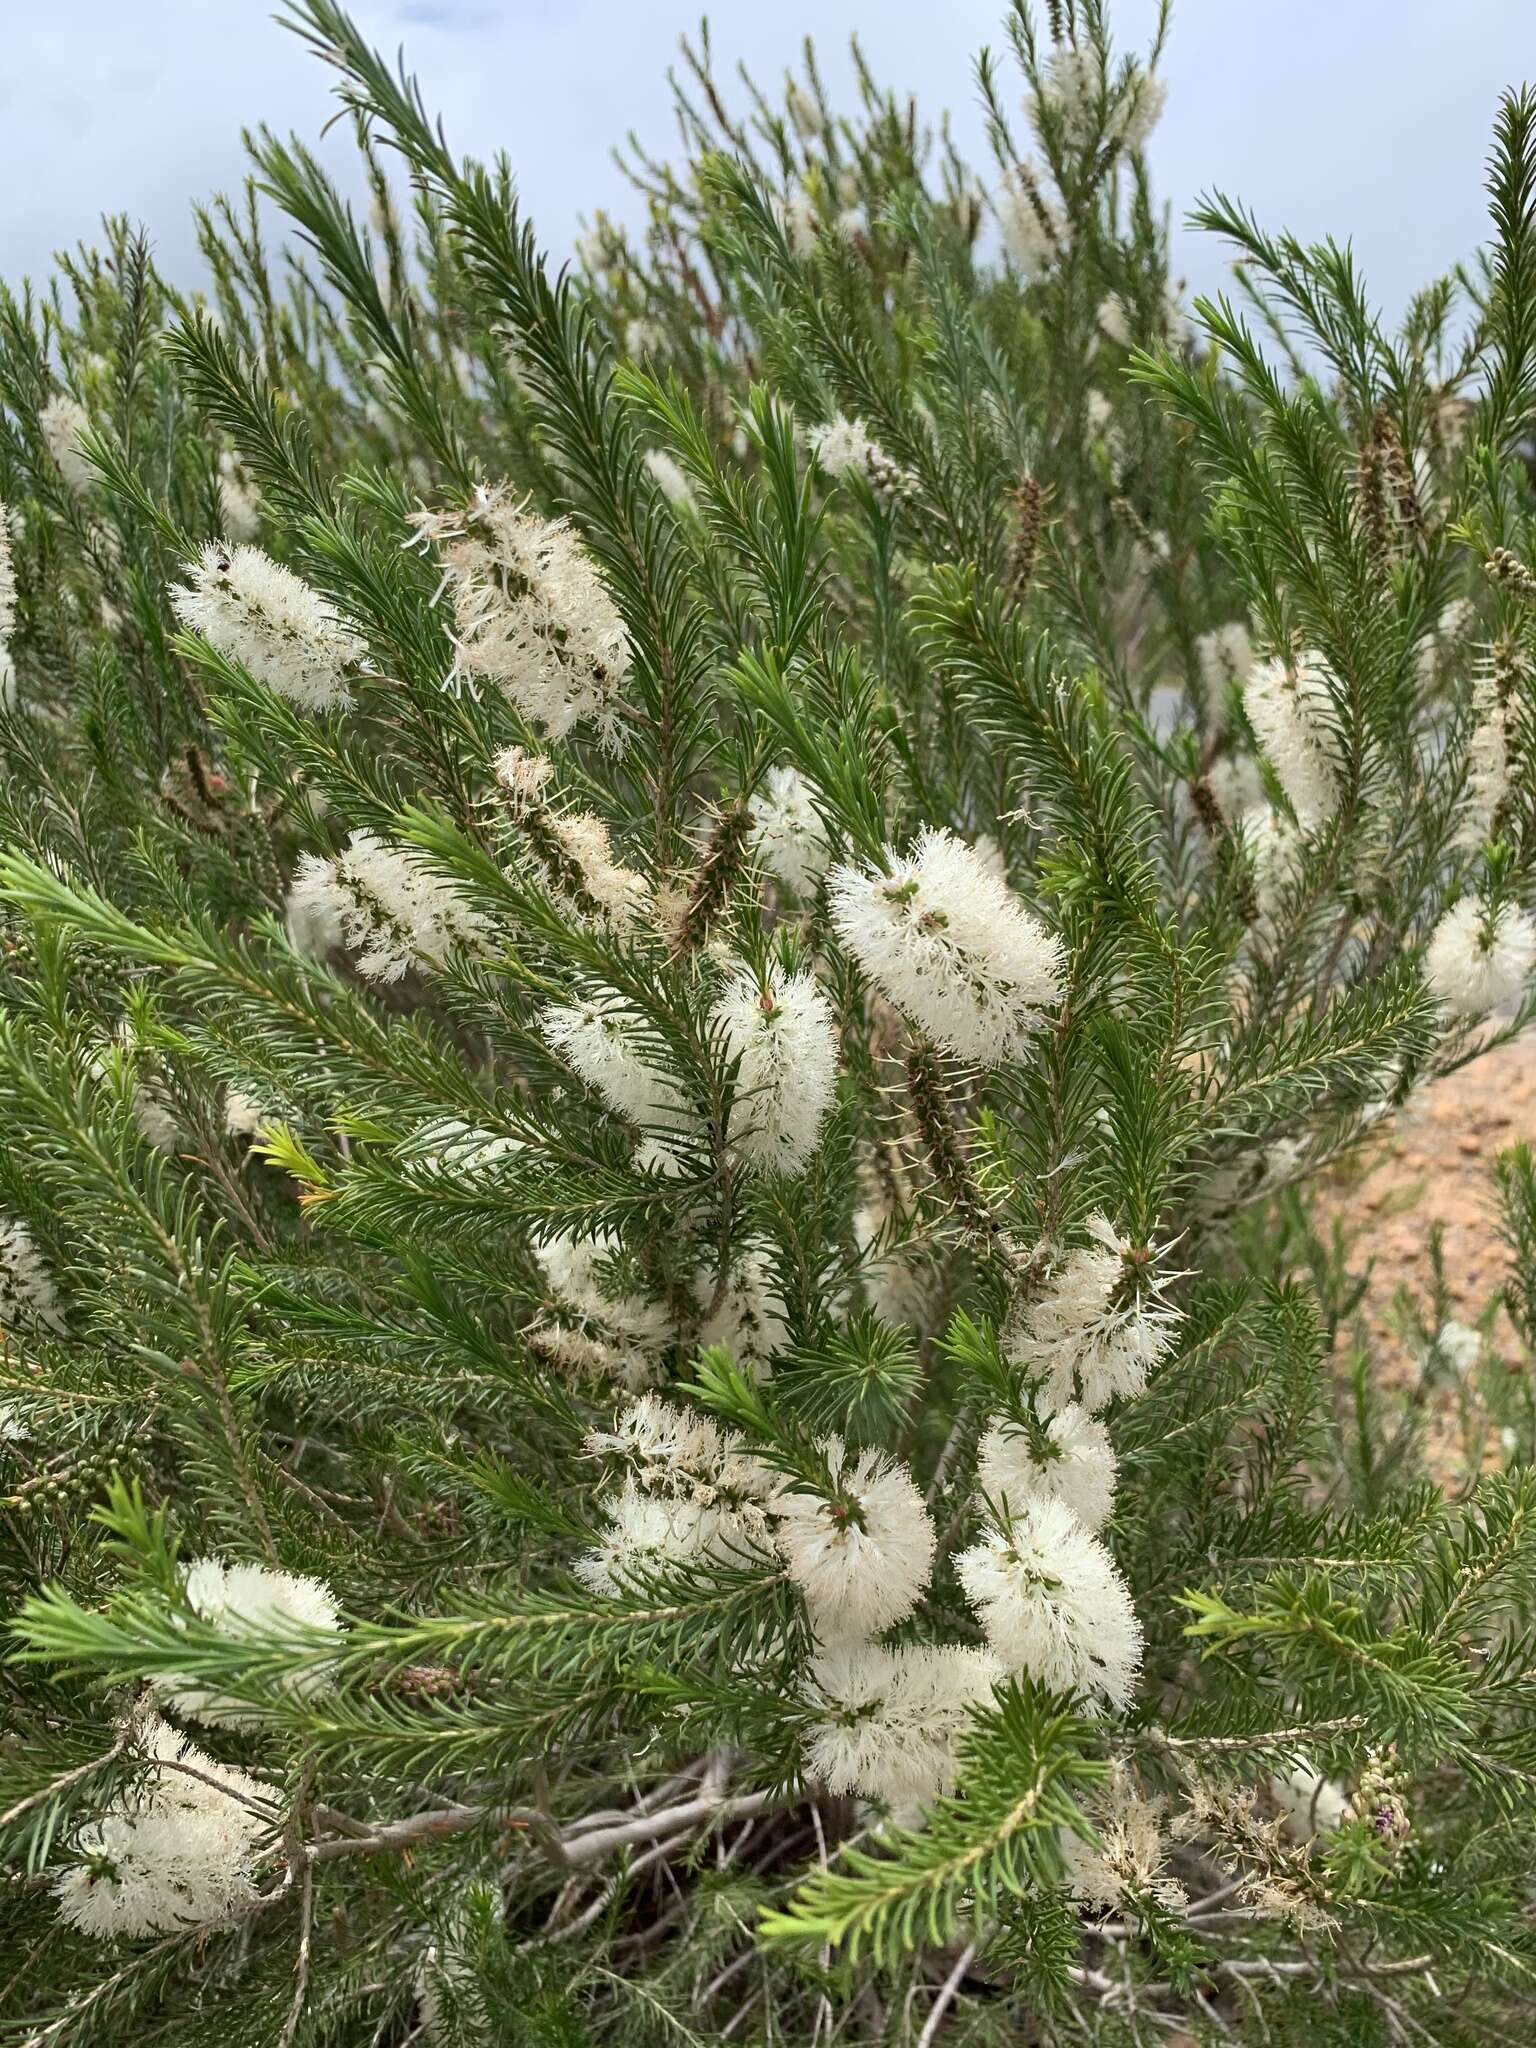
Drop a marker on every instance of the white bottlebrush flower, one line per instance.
(259, 614)
(1291, 707)
(659, 1440)
(449, 1145)
(950, 944)
(607, 1044)
(746, 1316)
(782, 1037)
(1033, 226)
(63, 420)
(1114, 320)
(888, 1722)
(578, 865)
(1309, 1803)
(1487, 784)
(1474, 963)
(643, 338)
(243, 1114)
(1129, 1862)
(1072, 93)
(1225, 657)
(1238, 787)
(239, 500)
(863, 1558)
(1077, 1467)
(1096, 1326)
(670, 478)
(387, 906)
(251, 1601)
(1275, 853)
(646, 1532)
(607, 1331)
(1140, 110)
(843, 447)
(1460, 1346)
(1053, 1603)
(532, 616)
(174, 1851)
(28, 1298)
(788, 835)
(7, 578)
(797, 221)
(805, 112)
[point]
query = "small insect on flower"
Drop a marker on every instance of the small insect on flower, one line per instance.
(1476, 961)
(781, 1036)
(947, 941)
(260, 615)
(1053, 1603)
(863, 1555)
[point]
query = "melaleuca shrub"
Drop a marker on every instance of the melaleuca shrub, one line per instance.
(679, 938)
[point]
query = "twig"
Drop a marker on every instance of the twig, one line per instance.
(948, 1991)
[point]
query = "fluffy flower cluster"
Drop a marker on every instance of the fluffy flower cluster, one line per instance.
(1034, 229)
(1487, 759)
(1053, 1603)
(532, 616)
(571, 848)
(1225, 657)
(689, 1494)
(7, 612)
(788, 835)
(946, 940)
(887, 1723)
(1073, 1466)
(605, 1042)
(845, 447)
(1292, 709)
(670, 478)
(1476, 962)
(746, 1314)
(1078, 99)
(1097, 1326)
(781, 1035)
(28, 1298)
(863, 1556)
(603, 1330)
(384, 904)
(255, 612)
(251, 1602)
(63, 423)
(239, 500)
(175, 1851)
(1129, 1862)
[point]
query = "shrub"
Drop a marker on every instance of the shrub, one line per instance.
(673, 935)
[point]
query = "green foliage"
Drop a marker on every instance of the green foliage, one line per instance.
(380, 1089)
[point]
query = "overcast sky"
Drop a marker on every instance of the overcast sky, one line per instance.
(1364, 118)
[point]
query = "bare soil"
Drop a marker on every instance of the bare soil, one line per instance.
(1436, 1167)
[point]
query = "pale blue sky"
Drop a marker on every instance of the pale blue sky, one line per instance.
(1366, 118)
